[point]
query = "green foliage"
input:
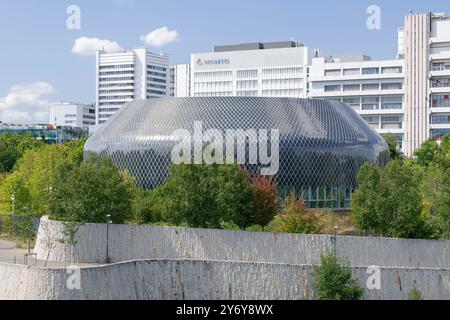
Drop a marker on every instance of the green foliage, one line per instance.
(23, 227)
(90, 191)
(34, 176)
(265, 199)
(333, 280)
(205, 195)
(295, 218)
(394, 150)
(388, 202)
(147, 206)
(13, 146)
(433, 152)
(415, 293)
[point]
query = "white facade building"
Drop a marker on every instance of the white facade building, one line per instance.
(180, 80)
(276, 69)
(375, 89)
(426, 50)
(66, 114)
(126, 76)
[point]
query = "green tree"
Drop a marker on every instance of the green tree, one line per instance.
(432, 152)
(90, 191)
(35, 172)
(394, 150)
(333, 280)
(366, 201)
(13, 146)
(207, 195)
(388, 201)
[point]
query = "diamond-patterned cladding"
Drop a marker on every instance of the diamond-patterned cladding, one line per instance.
(322, 143)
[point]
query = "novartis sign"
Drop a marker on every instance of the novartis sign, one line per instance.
(222, 61)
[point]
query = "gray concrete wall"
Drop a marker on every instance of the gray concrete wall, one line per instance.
(196, 279)
(130, 242)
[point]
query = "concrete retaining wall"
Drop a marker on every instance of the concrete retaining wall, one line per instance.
(130, 242)
(193, 279)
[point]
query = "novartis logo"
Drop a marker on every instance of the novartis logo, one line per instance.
(221, 61)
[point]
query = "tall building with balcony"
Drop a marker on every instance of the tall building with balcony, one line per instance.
(426, 51)
(130, 75)
(273, 69)
(374, 89)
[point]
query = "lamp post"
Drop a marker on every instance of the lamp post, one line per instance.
(108, 216)
(13, 198)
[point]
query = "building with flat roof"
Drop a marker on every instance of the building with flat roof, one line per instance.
(67, 114)
(374, 89)
(127, 76)
(277, 69)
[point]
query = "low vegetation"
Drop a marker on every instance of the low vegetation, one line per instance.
(333, 280)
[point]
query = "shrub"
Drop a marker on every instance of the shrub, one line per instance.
(295, 218)
(265, 199)
(333, 280)
(415, 293)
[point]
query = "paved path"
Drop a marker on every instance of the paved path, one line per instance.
(11, 254)
(7, 245)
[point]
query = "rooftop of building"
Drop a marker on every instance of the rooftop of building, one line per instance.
(257, 46)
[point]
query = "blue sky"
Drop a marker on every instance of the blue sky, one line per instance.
(36, 49)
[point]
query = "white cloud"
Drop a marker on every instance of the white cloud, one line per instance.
(88, 46)
(26, 103)
(160, 37)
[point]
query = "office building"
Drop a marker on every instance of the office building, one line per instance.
(273, 69)
(126, 76)
(374, 89)
(66, 114)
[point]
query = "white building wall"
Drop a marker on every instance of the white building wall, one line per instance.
(126, 76)
(66, 114)
(181, 80)
(375, 89)
(279, 72)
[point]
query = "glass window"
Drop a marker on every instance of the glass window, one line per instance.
(370, 70)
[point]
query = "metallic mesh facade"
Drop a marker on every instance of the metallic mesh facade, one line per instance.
(322, 143)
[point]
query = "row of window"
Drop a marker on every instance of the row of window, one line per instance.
(88, 117)
(282, 72)
(363, 71)
(68, 115)
(384, 122)
(117, 79)
(283, 93)
(121, 97)
(213, 94)
(245, 74)
(158, 86)
(157, 92)
(110, 73)
(156, 80)
(218, 86)
(108, 109)
(212, 75)
(110, 85)
(440, 66)
(158, 74)
(440, 118)
(156, 68)
(116, 91)
(282, 83)
(440, 101)
(364, 87)
(372, 102)
(117, 66)
(112, 103)
(440, 82)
